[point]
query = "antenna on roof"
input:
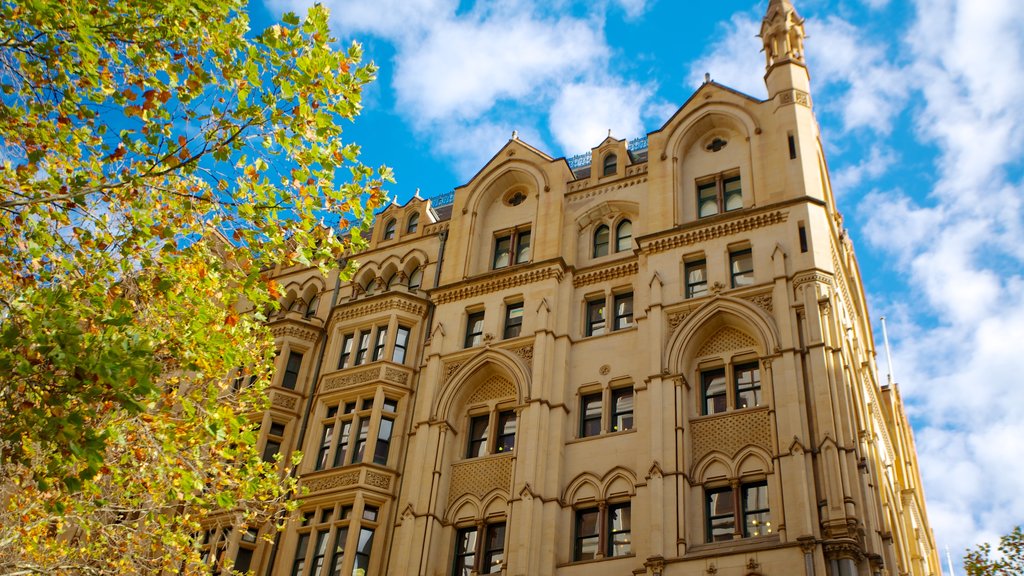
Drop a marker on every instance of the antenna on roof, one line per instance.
(888, 354)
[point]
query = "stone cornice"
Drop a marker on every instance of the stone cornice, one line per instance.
(489, 284)
(712, 231)
(579, 190)
(295, 330)
(606, 273)
(387, 302)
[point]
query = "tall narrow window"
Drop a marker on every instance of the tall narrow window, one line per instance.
(713, 390)
(415, 280)
(291, 370)
(748, 385)
(494, 549)
(389, 229)
(346, 351)
(595, 317)
(401, 345)
(707, 199)
(314, 301)
(383, 448)
(623, 311)
(478, 427)
(756, 514)
(696, 279)
(326, 440)
(474, 329)
(601, 235)
(275, 437)
(732, 194)
(622, 409)
(721, 514)
(359, 450)
(506, 440)
(465, 552)
(523, 247)
(299, 564)
(513, 320)
(611, 162)
(320, 552)
(382, 340)
(802, 231)
(741, 267)
(413, 223)
(590, 415)
(624, 236)
(364, 346)
(502, 250)
(620, 540)
(587, 536)
(364, 546)
(246, 549)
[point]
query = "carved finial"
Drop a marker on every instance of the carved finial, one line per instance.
(782, 32)
(417, 194)
(609, 132)
(515, 134)
(707, 77)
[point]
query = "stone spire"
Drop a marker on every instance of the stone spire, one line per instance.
(782, 32)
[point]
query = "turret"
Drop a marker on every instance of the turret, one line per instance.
(782, 32)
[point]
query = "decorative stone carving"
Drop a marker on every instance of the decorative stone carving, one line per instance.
(763, 301)
(479, 476)
(333, 481)
(338, 381)
(283, 401)
(525, 353)
(378, 480)
(605, 369)
(726, 340)
(715, 231)
(494, 388)
(494, 284)
(395, 375)
(395, 301)
(731, 432)
(605, 274)
(283, 330)
(451, 368)
(676, 318)
(578, 190)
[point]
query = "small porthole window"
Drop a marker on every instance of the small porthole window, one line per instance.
(515, 198)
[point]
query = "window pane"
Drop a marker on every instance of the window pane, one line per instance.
(756, 515)
(291, 371)
(506, 431)
(513, 320)
(713, 388)
(696, 279)
(523, 247)
(733, 194)
(340, 455)
(414, 222)
(325, 446)
(748, 385)
(619, 530)
(364, 345)
(502, 246)
(477, 436)
(401, 343)
(474, 329)
(363, 549)
(721, 515)
(742, 268)
(465, 551)
(707, 199)
(595, 317)
(587, 539)
(380, 454)
(415, 279)
(360, 448)
(389, 230)
(590, 410)
(494, 549)
(243, 560)
(601, 241)
(623, 311)
(338, 554)
(624, 236)
(622, 409)
(378, 347)
(300, 555)
(610, 165)
(390, 405)
(346, 352)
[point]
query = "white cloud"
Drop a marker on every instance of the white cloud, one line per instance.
(583, 113)
(876, 164)
(733, 60)
(633, 8)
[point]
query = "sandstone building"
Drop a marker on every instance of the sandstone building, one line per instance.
(656, 360)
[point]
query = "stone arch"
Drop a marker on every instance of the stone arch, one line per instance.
(706, 118)
(618, 482)
(584, 488)
(714, 466)
(490, 210)
(464, 508)
(752, 460)
(477, 370)
(700, 326)
(505, 177)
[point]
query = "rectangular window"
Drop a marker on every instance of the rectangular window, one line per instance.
(620, 540)
(465, 552)
(490, 550)
(382, 340)
(360, 446)
(723, 194)
(792, 147)
(590, 415)
(622, 409)
(707, 199)
(502, 250)
(380, 453)
(326, 439)
(595, 317)
(275, 437)
(696, 278)
(732, 194)
(741, 267)
(586, 535)
(346, 351)
(320, 552)
(506, 440)
(299, 564)
(713, 392)
(401, 345)
(474, 329)
(756, 514)
(623, 311)
(291, 370)
(363, 548)
(364, 346)
(341, 454)
(494, 549)
(523, 247)
(721, 514)
(748, 385)
(513, 320)
(802, 231)
(478, 426)
(338, 555)
(246, 549)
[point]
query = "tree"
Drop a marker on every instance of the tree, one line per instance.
(1009, 559)
(156, 156)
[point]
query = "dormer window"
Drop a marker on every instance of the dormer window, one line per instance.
(611, 164)
(601, 235)
(413, 223)
(389, 229)
(623, 236)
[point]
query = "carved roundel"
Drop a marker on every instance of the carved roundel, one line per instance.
(514, 198)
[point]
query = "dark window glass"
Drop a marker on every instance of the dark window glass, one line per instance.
(364, 346)
(338, 555)
(620, 540)
(360, 446)
(502, 250)
(299, 565)
(623, 236)
(413, 224)
(275, 435)
(474, 329)
(390, 405)
(590, 415)
(389, 230)
(713, 390)
(696, 279)
(595, 317)
(741, 266)
(586, 536)
(415, 279)
(622, 409)
(382, 340)
(320, 552)
(494, 549)
(291, 371)
(346, 351)
(513, 320)
(506, 431)
(465, 552)
(756, 514)
(610, 165)
(363, 549)
(523, 247)
(243, 560)
(623, 310)
(748, 385)
(707, 199)
(341, 454)
(326, 439)
(311, 307)
(803, 238)
(601, 241)
(380, 454)
(721, 514)
(370, 513)
(478, 436)
(401, 345)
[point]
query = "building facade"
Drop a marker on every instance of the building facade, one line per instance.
(657, 360)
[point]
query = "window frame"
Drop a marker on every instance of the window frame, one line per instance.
(617, 318)
(486, 433)
(735, 257)
(273, 438)
(755, 386)
(322, 545)
(518, 250)
(602, 540)
(474, 338)
(613, 408)
(596, 325)
(691, 290)
(513, 323)
(480, 553)
(610, 164)
(740, 512)
(290, 377)
(390, 229)
(402, 334)
(347, 426)
(716, 188)
(579, 537)
(413, 223)
(620, 237)
(601, 248)
(588, 418)
(612, 532)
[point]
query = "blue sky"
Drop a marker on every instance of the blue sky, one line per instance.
(919, 103)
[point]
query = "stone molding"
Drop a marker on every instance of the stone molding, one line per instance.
(492, 284)
(606, 273)
(390, 302)
(715, 231)
(299, 332)
(285, 401)
(351, 377)
(343, 477)
(580, 189)
(795, 96)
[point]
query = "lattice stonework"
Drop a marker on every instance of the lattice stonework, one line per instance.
(493, 388)
(731, 433)
(727, 339)
(479, 476)
(333, 481)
